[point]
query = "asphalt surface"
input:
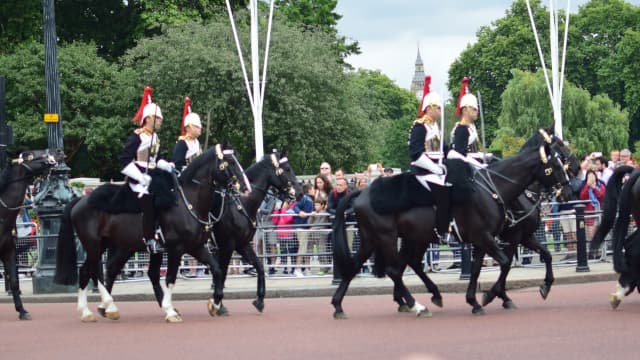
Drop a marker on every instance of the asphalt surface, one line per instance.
(575, 322)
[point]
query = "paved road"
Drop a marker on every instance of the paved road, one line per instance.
(574, 322)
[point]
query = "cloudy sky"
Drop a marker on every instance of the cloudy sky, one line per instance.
(389, 32)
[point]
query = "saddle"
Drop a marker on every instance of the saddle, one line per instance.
(120, 199)
(398, 193)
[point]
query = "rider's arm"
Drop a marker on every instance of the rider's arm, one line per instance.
(416, 141)
(179, 154)
(130, 149)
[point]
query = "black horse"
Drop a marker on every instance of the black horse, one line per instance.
(14, 179)
(524, 219)
(184, 227)
(237, 226)
(235, 223)
(478, 222)
(622, 198)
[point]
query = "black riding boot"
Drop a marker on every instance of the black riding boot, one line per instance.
(148, 225)
(443, 209)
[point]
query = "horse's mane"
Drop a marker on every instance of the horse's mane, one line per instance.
(5, 177)
(533, 142)
(190, 172)
(258, 167)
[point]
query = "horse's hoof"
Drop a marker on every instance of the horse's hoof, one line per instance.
(339, 315)
(404, 308)
(258, 304)
(24, 316)
(212, 308)
(614, 301)
(509, 305)
(102, 312)
(424, 314)
(478, 311)
(88, 318)
(223, 311)
(173, 319)
(437, 301)
(544, 291)
(487, 298)
(114, 315)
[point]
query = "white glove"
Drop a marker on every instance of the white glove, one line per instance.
(165, 165)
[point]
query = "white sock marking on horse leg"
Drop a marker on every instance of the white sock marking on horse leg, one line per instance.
(418, 308)
(82, 303)
(167, 306)
(620, 291)
(107, 300)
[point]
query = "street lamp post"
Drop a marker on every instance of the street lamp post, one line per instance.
(54, 192)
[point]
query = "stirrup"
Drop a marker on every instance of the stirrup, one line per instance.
(154, 246)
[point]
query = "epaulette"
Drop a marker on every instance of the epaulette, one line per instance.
(418, 121)
(138, 131)
(182, 137)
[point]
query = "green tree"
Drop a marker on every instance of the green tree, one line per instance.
(306, 106)
(98, 101)
(508, 43)
(390, 111)
(591, 124)
(20, 21)
(318, 15)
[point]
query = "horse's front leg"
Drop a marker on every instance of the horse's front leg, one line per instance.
(499, 288)
(476, 266)
(215, 302)
(533, 244)
(250, 255)
(10, 265)
(153, 272)
(116, 260)
(173, 264)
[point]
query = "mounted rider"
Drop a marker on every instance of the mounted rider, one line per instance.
(187, 147)
(464, 139)
(139, 157)
(425, 150)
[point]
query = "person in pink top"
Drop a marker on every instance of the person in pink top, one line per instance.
(283, 219)
(593, 190)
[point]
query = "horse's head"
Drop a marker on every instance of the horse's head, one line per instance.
(283, 178)
(556, 169)
(572, 165)
(37, 162)
(229, 171)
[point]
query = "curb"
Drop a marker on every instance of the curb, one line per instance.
(319, 291)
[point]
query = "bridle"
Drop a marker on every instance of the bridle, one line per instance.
(26, 163)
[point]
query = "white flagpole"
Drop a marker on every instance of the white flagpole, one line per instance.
(255, 70)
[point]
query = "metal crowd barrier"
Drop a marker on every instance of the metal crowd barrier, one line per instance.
(279, 250)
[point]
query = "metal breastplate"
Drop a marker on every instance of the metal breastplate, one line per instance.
(193, 150)
(147, 152)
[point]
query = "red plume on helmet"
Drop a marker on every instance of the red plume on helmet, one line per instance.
(464, 90)
(185, 111)
(426, 90)
(146, 99)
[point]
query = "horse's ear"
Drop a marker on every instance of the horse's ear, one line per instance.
(226, 144)
(551, 128)
(283, 153)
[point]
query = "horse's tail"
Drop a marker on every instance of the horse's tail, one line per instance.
(622, 224)
(610, 206)
(66, 254)
(341, 252)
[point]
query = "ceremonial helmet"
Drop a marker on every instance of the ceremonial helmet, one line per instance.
(188, 117)
(466, 98)
(428, 97)
(147, 107)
